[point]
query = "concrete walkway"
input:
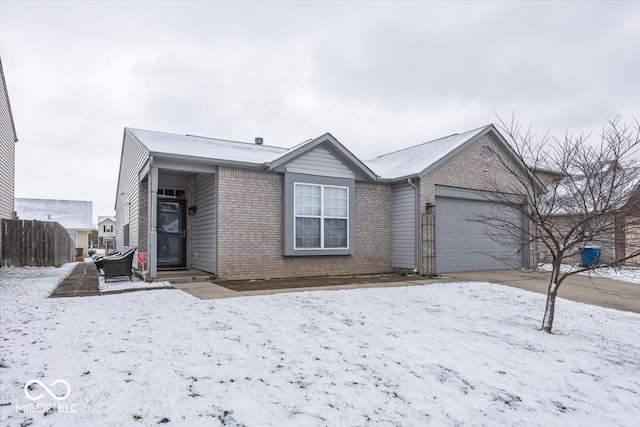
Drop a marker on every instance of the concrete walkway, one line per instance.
(591, 290)
(210, 290)
(83, 281)
(603, 292)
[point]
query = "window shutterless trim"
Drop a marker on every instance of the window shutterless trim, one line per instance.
(288, 214)
(322, 217)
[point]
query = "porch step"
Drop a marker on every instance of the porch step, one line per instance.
(186, 276)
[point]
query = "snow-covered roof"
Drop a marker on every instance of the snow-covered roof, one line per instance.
(414, 160)
(602, 192)
(207, 148)
(408, 162)
(71, 214)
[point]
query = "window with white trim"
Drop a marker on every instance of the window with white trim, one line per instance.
(125, 220)
(321, 216)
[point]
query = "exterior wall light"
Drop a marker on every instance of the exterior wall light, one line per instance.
(431, 208)
(192, 210)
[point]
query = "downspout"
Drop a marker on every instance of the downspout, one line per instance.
(416, 225)
(152, 209)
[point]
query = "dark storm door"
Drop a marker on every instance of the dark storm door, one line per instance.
(172, 233)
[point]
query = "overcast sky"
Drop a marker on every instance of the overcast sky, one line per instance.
(379, 76)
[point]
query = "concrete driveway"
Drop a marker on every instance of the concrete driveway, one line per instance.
(591, 290)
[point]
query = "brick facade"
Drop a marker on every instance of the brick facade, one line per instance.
(250, 230)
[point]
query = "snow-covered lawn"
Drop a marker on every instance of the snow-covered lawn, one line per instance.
(624, 274)
(445, 354)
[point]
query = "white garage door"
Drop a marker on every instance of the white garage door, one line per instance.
(463, 245)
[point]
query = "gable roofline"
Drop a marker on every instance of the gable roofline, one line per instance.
(506, 147)
(6, 92)
(517, 158)
(481, 131)
(429, 142)
(124, 137)
(309, 145)
(412, 161)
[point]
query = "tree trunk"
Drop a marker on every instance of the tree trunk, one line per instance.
(547, 321)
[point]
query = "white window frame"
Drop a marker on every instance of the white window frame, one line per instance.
(321, 217)
(125, 212)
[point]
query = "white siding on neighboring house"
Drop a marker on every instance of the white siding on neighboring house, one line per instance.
(320, 162)
(205, 224)
(404, 227)
(106, 230)
(7, 152)
(133, 157)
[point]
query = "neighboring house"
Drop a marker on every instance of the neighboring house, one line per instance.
(76, 216)
(619, 234)
(628, 227)
(106, 231)
(242, 210)
(547, 176)
(8, 139)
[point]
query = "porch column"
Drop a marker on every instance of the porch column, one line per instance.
(152, 250)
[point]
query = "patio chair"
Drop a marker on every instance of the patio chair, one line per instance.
(118, 265)
(98, 260)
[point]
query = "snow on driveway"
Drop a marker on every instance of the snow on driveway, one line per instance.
(622, 273)
(444, 354)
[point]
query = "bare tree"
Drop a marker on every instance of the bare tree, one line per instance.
(577, 194)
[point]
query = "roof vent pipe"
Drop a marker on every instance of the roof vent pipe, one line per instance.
(258, 140)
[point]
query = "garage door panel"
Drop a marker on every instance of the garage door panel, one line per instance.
(465, 245)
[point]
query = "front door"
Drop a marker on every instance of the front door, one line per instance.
(172, 240)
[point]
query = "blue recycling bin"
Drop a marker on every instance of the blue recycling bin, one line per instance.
(590, 256)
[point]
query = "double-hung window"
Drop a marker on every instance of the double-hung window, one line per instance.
(318, 215)
(321, 216)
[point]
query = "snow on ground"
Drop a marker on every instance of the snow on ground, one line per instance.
(444, 354)
(624, 274)
(122, 283)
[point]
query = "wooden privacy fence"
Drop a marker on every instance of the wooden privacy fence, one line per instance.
(35, 243)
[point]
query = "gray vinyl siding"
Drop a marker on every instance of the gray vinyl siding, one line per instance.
(404, 227)
(134, 155)
(7, 152)
(205, 223)
(320, 162)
